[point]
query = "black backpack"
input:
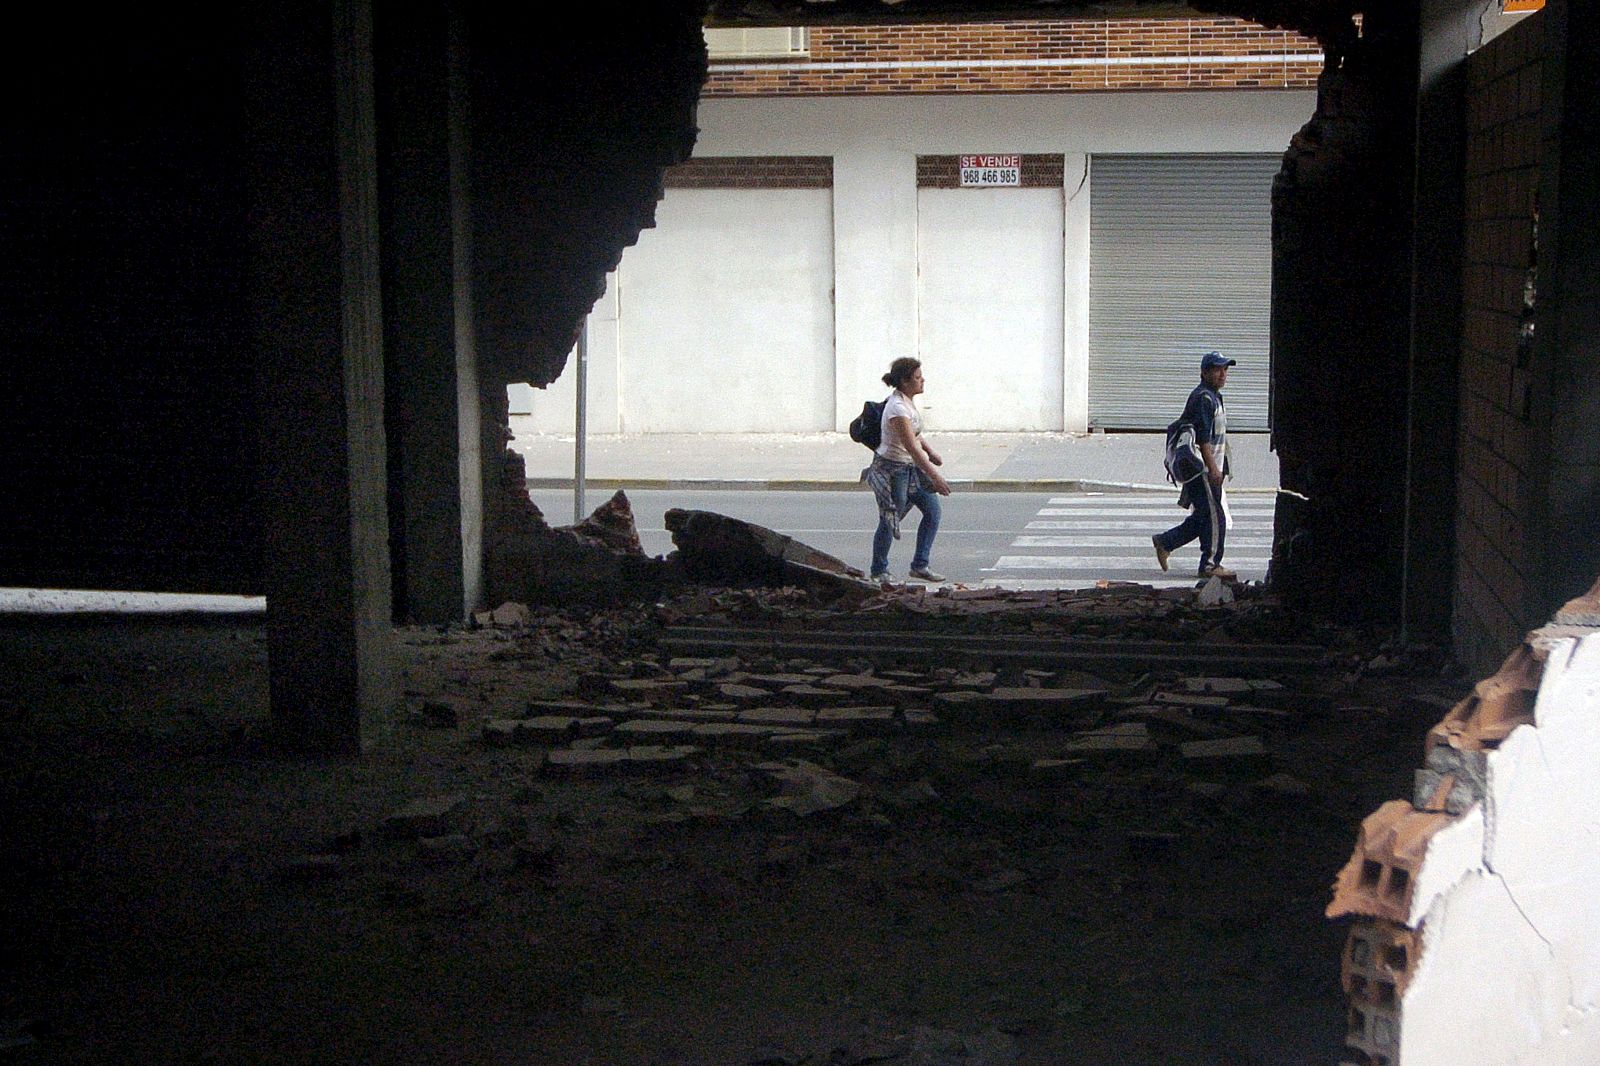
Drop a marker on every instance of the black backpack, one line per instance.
(867, 427)
(1182, 458)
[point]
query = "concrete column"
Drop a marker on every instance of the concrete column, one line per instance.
(1566, 360)
(1075, 304)
(875, 272)
(477, 460)
(1448, 31)
(435, 487)
(315, 331)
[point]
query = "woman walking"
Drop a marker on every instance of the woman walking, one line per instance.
(902, 474)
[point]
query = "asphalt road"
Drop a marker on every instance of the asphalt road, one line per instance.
(1014, 540)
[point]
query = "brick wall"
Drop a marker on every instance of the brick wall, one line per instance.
(1030, 57)
(752, 172)
(1492, 600)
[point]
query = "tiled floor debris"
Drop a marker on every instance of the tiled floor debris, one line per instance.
(592, 842)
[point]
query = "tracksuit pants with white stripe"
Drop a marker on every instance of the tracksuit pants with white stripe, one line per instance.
(1205, 522)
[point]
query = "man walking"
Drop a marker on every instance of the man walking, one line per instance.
(1202, 474)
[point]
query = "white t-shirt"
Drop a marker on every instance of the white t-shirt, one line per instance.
(898, 406)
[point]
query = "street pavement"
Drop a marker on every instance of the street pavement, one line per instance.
(1023, 540)
(1043, 462)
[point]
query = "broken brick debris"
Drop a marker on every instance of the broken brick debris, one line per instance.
(805, 788)
(808, 695)
(651, 690)
(1056, 769)
(1108, 746)
(857, 719)
(528, 561)
(610, 526)
(602, 761)
(1190, 699)
(988, 649)
(739, 693)
(715, 547)
(653, 729)
(1226, 749)
(1225, 686)
(425, 817)
(780, 716)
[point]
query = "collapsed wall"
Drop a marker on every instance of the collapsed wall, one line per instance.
(1341, 304)
(571, 133)
(1477, 901)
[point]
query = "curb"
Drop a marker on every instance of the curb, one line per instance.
(818, 485)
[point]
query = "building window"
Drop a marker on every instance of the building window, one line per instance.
(761, 42)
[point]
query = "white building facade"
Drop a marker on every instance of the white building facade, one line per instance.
(816, 237)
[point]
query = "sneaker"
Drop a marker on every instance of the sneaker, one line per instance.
(883, 580)
(1218, 571)
(1161, 553)
(924, 574)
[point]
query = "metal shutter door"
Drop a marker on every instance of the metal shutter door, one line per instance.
(1180, 263)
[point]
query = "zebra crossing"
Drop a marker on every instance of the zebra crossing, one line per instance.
(1075, 541)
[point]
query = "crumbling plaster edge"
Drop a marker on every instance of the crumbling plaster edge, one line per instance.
(1454, 853)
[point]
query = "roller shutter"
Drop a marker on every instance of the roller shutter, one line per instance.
(1180, 263)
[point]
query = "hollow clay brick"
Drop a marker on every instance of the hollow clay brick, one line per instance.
(1381, 875)
(1379, 959)
(1374, 1032)
(1498, 705)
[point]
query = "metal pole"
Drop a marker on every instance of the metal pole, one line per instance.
(581, 428)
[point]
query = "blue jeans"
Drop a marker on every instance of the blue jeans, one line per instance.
(928, 528)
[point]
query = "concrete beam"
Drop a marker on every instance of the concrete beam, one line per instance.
(315, 329)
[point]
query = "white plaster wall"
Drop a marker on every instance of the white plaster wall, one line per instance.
(943, 125)
(1510, 969)
(874, 143)
(875, 280)
(989, 307)
(727, 314)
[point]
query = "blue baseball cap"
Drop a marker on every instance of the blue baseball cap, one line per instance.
(1211, 359)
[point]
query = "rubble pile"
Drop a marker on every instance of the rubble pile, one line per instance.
(593, 744)
(730, 551)
(598, 561)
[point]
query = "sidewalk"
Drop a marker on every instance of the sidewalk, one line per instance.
(996, 462)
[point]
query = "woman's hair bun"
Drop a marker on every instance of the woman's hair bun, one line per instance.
(900, 371)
